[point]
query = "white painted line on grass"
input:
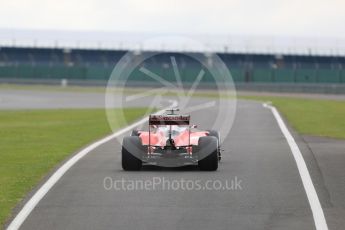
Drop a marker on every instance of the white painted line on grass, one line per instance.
(41, 192)
(314, 202)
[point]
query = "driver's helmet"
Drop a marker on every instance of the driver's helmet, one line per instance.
(176, 130)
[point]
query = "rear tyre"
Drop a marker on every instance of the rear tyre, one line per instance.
(216, 134)
(207, 151)
(132, 150)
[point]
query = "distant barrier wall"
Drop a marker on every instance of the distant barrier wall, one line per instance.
(256, 75)
(326, 81)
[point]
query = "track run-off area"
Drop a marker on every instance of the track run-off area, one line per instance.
(273, 180)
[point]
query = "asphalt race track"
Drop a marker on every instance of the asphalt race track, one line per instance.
(270, 193)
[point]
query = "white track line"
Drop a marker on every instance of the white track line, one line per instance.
(41, 192)
(314, 202)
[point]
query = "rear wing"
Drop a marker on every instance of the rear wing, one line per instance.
(169, 120)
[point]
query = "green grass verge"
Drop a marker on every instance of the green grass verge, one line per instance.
(310, 116)
(33, 142)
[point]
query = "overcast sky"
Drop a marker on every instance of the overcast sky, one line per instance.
(285, 18)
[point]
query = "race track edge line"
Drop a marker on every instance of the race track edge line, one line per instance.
(314, 202)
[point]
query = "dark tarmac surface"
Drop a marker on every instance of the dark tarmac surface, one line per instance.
(29, 99)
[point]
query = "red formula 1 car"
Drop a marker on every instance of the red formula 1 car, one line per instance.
(171, 141)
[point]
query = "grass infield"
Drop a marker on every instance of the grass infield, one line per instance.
(33, 142)
(314, 117)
